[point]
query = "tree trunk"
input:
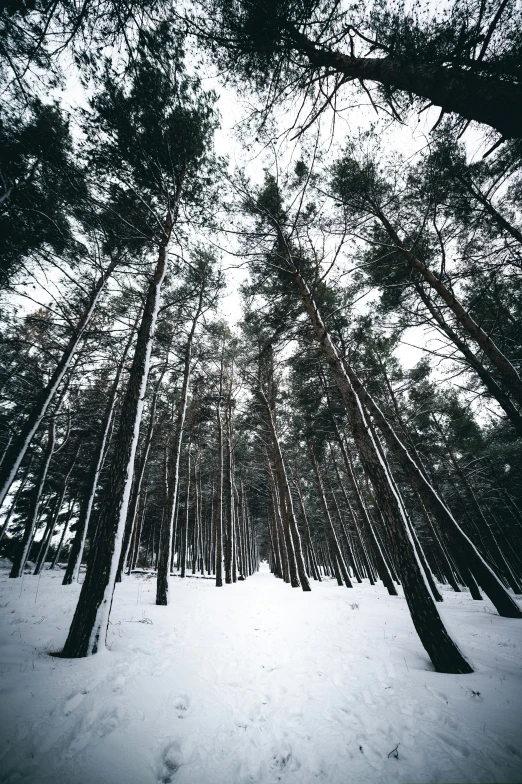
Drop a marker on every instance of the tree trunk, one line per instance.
(23, 550)
(21, 443)
(442, 650)
(460, 543)
(18, 493)
(506, 372)
(314, 567)
(219, 500)
(132, 510)
(89, 626)
(229, 499)
(484, 99)
(167, 530)
(375, 546)
(72, 571)
(62, 537)
(339, 566)
(184, 537)
(344, 535)
(496, 553)
(48, 535)
(474, 362)
(364, 556)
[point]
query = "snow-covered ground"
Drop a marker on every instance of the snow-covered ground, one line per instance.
(254, 682)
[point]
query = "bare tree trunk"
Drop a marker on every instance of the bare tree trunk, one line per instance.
(364, 556)
(484, 99)
(373, 541)
(442, 650)
(473, 361)
(184, 537)
(48, 535)
(23, 550)
(167, 531)
(219, 498)
(89, 626)
(72, 571)
(229, 499)
(505, 370)
(344, 535)
(314, 567)
(64, 531)
(339, 566)
(298, 574)
(22, 441)
(461, 544)
(288, 567)
(132, 511)
(496, 553)
(18, 493)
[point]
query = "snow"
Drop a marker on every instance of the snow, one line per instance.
(254, 682)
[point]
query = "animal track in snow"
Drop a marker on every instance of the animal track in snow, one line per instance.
(182, 705)
(92, 728)
(170, 762)
(283, 761)
(73, 702)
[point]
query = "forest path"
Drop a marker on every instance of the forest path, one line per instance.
(254, 682)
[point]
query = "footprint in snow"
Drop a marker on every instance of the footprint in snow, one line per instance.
(453, 743)
(182, 705)
(282, 761)
(73, 702)
(118, 684)
(170, 762)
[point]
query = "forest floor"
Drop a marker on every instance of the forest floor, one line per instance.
(256, 682)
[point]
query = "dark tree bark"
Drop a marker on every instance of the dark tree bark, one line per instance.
(76, 553)
(338, 563)
(473, 361)
(22, 441)
(485, 99)
(460, 543)
(18, 493)
(23, 550)
(48, 535)
(185, 530)
(228, 492)
(354, 521)
(314, 568)
(139, 473)
(496, 553)
(381, 565)
(62, 537)
(505, 370)
(167, 530)
(219, 498)
(89, 626)
(442, 650)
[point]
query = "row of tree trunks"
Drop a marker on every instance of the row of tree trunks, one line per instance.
(441, 648)
(298, 575)
(23, 550)
(167, 530)
(504, 369)
(20, 444)
(78, 544)
(49, 530)
(460, 543)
